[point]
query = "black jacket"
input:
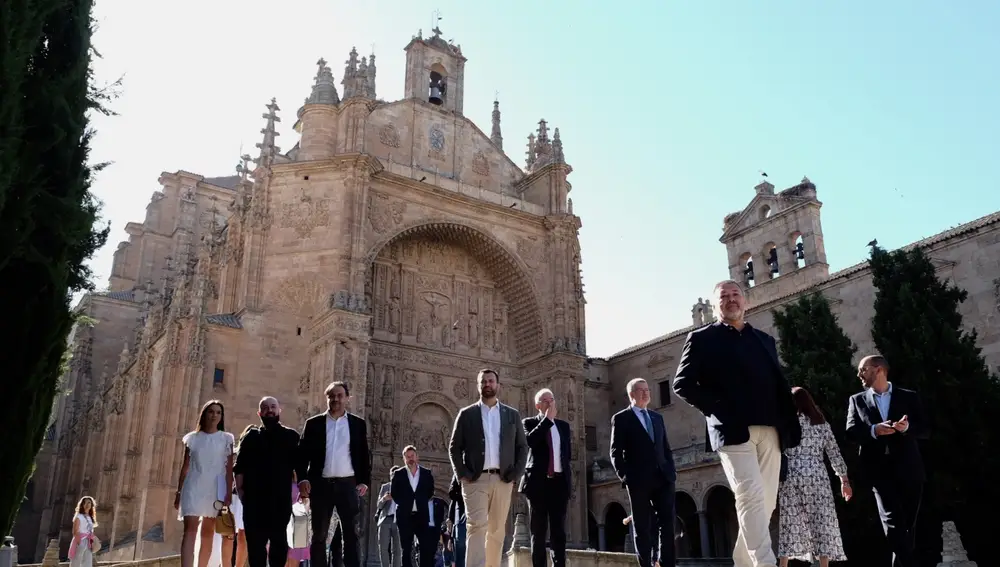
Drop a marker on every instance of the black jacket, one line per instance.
(312, 449)
(705, 378)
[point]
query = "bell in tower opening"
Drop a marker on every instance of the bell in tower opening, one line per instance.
(437, 89)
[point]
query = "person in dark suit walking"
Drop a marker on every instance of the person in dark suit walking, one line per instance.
(488, 453)
(729, 371)
(643, 461)
(886, 422)
(264, 469)
(547, 481)
(412, 490)
(388, 533)
(334, 473)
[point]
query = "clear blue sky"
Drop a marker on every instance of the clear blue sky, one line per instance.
(667, 110)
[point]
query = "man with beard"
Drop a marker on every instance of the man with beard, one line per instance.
(412, 488)
(488, 453)
(334, 473)
(886, 422)
(265, 470)
(729, 371)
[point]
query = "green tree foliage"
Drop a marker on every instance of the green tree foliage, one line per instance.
(818, 357)
(918, 328)
(47, 214)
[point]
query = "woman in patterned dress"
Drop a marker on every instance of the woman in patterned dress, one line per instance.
(808, 521)
(208, 455)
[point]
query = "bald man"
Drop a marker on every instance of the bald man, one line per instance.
(265, 471)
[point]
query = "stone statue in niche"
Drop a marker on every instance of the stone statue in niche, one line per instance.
(500, 329)
(341, 362)
(388, 377)
(370, 385)
(385, 423)
(473, 330)
(394, 314)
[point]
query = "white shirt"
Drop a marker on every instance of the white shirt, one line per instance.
(86, 524)
(338, 448)
(556, 446)
(414, 481)
(491, 435)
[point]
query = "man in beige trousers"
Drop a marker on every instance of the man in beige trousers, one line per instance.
(488, 451)
(730, 372)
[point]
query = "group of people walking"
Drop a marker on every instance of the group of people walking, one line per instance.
(770, 438)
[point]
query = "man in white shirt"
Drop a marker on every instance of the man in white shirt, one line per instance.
(334, 473)
(488, 453)
(412, 489)
(547, 481)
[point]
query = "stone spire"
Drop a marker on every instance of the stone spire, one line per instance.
(352, 74)
(495, 136)
(530, 162)
(267, 147)
(324, 90)
(557, 149)
(370, 79)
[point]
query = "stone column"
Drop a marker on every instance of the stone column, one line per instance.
(703, 531)
(602, 541)
(630, 539)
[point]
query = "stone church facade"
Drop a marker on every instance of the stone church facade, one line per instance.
(397, 247)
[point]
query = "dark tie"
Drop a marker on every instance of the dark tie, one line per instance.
(647, 423)
(552, 453)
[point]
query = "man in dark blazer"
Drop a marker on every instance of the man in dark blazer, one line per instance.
(729, 371)
(886, 422)
(643, 461)
(334, 473)
(488, 453)
(412, 490)
(547, 482)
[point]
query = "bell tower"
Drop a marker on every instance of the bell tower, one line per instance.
(775, 244)
(435, 71)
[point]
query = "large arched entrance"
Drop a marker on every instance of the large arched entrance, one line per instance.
(689, 544)
(450, 286)
(720, 507)
(615, 530)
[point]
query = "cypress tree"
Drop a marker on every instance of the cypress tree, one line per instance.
(47, 215)
(918, 328)
(818, 355)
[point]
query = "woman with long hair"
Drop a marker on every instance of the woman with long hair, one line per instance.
(201, 497)
(240, 539)
(84, 522)
(808, 526)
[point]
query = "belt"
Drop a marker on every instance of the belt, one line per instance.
(491, 471)
(554, 475)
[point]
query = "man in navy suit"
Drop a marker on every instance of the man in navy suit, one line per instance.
(644, 463)
(412, 490)
(547, 480)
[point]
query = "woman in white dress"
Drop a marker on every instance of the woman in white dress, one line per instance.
(84, 522)
(208, 456)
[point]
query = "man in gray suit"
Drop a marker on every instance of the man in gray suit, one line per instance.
(385, 519)
(488, 453)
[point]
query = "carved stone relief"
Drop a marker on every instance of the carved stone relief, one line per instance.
(302, 294)
(389, 136)
(305, 213)
(409, 382)
(480, 165)
(429, 430)
(530, 250)
(437, 295)
(461, 389)
(384, 212)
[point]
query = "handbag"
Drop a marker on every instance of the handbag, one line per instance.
(225, 523)
(95, 544)
(300, 526)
